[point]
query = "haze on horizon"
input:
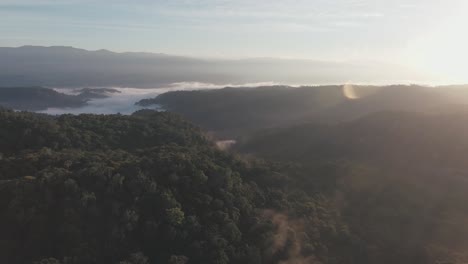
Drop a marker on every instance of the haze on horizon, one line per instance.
(423, 35)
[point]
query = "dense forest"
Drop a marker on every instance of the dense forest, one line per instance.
(151, 188)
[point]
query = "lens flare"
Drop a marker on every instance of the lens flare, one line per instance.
(350, 92)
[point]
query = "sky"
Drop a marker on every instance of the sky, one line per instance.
(423, 33)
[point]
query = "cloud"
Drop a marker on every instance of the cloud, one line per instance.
(300, 13)
(311, 28)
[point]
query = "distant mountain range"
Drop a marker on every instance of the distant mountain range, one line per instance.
(71, 67)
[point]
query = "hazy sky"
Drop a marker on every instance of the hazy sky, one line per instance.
(399, 31)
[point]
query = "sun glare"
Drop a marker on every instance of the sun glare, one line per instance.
(443, 51)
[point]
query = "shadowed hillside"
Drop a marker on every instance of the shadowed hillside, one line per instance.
(233, 112)
(408, 175)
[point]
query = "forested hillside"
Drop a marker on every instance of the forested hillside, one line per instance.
(151, 188)
(233, 111)
(392, 159)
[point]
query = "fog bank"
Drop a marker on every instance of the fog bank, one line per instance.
(124, 101)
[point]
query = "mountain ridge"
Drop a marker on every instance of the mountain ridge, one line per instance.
(64, 66)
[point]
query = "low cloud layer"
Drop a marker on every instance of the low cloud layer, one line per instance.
(124, 102)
